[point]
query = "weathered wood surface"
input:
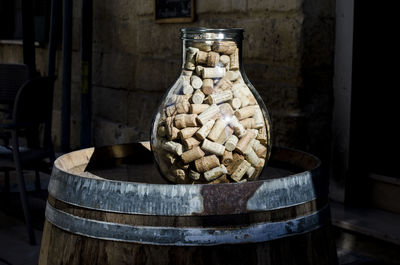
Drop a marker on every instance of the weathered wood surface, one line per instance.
(60, 247)
(229, 211)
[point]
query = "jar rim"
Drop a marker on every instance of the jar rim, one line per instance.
(203, 33)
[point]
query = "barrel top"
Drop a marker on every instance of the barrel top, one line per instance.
(122, 178)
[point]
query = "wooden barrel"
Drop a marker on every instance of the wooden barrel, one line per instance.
(110, 206)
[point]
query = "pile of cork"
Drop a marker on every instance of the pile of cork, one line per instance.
(210, 128)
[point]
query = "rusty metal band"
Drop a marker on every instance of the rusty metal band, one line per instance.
(186, 236)
(175, 200)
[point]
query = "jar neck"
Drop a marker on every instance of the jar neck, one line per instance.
(208, 40)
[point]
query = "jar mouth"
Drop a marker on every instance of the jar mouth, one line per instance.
(203, 33)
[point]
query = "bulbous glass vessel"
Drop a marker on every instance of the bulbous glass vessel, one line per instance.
(212, 125)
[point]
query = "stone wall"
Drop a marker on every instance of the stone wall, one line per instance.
(288, 56)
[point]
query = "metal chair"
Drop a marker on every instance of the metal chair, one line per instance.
(32, 112)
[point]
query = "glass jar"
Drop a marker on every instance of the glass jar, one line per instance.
(212, 125)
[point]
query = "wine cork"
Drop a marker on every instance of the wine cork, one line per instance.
(165, 168)
(208, 86)
(251, 156)
(240, 171)
(237, 160)
(245, 112)
(199, 70)
(255, 131)
(225, 60)
(215, 173)
(196, 82)
(245, 90)
(261, 164)
(198, 108)
(223, 84)
(260, 149)
(203, 46)
(235, 124)
(230, 144)
(177, 98)
(262, 135)
(201, 57)
(213, 148)
(212, 59)
(194, 175)
(182, 107)
(207, 114)
(225, 47)
(234, 60)
(245, 101)
(182, 165)
(216, 130)
(258, 118)
(190, 142)
(248, 123)
(226, 110)
(187, 90)
(235, 103)
(206, 163)
(161, 131)
(215, 72)
(198, 97)
(190, 58)
(217, 116)
(185, 120)
(249, 173)
(252, 100)
(220, 97)
(171, 131)
(187, 73)
(203, 132)
(172, 147)
(232, 75)
(191, 52)
(193, 154)
(180, 175)
(238, 93)
(187, 132)
(221, 179)
(243, 143)
(227, 158)
(170, 158)
(226, 133)
(170, 110)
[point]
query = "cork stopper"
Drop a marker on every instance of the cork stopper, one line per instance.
(206, 163)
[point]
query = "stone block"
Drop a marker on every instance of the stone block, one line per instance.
(274, 5)
(273, 73)
(141, 109)
(106, 132)
(115, 70)
(155, 74)
(110, 104)
(273, 39)
(289, 129)
(115, 36)
(158, 40)
(209, 6)
(144, 7)
(277, 97)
